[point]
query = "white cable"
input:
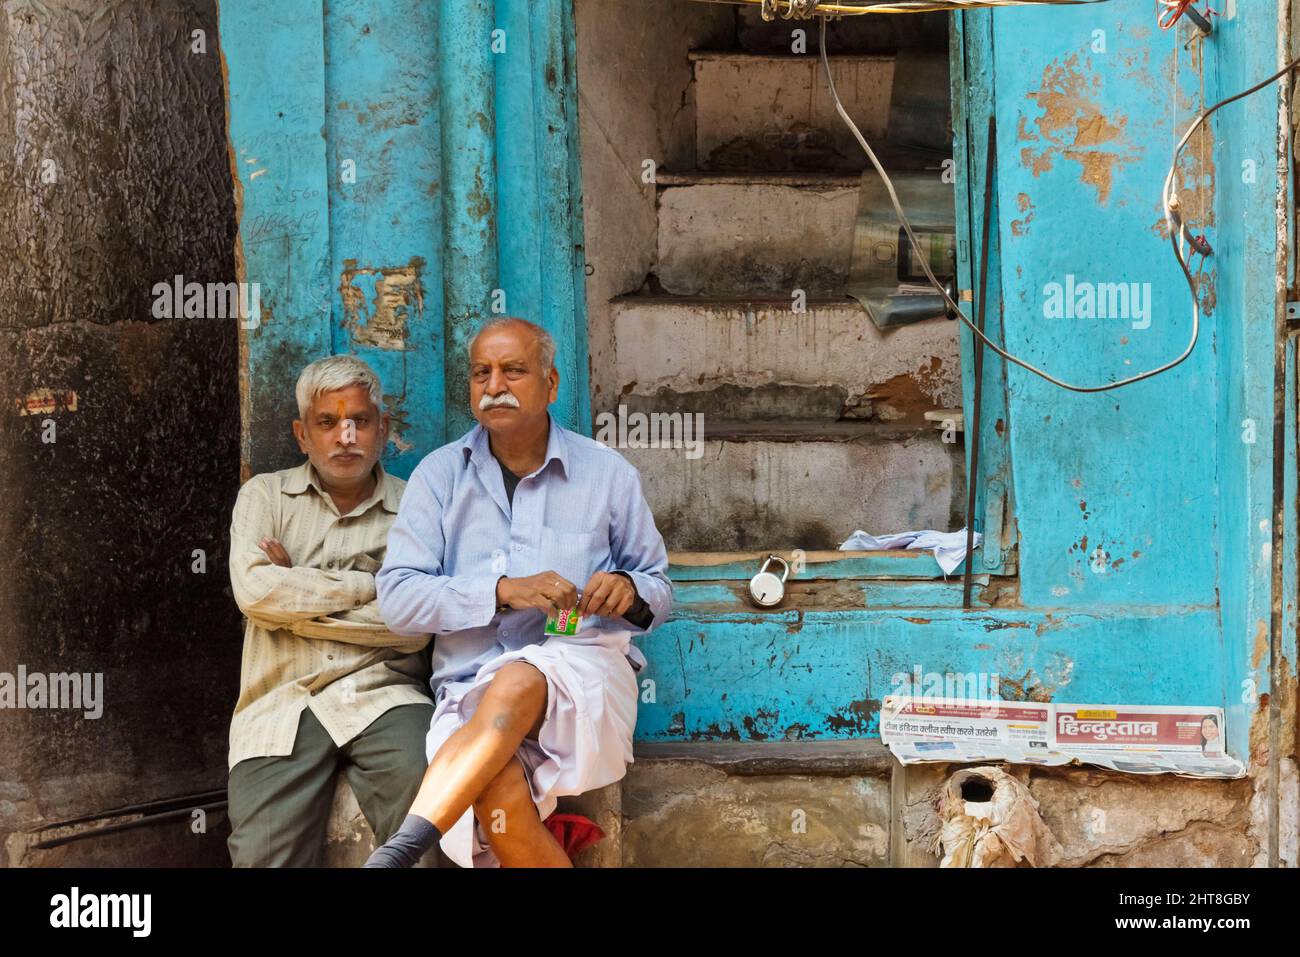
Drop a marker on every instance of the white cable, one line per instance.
(1173, 220)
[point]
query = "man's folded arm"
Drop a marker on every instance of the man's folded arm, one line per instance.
(359, 626)
(637, 550)
(414, 595)
(276, 596)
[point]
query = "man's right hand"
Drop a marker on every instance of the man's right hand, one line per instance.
(546, 592)
(275, 552)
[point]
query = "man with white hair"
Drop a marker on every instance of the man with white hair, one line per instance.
(325, 685)
(518, 521)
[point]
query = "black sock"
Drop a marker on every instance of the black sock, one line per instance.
(407, 846)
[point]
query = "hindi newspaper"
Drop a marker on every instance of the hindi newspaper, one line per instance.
(951, 729)
(1139, 739)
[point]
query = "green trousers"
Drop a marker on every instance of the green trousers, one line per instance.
(279, 806)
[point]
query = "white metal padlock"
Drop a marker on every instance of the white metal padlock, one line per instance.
(765, 588)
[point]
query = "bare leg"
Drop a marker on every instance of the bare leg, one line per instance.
(508, 815)
(511, 709)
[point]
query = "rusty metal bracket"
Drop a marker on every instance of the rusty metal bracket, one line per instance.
(1202, 22)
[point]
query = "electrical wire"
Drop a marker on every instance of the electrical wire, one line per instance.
(792, 9)
(1178, 232)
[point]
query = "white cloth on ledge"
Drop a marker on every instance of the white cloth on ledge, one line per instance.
(949, 547)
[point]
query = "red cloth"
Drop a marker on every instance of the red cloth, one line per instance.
(574, 832)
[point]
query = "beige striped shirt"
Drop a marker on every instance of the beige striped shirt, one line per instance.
(314, 637)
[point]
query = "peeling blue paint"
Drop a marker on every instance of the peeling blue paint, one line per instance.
(394, 135)
(1140, 516)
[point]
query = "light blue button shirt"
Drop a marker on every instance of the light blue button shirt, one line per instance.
(456, 533)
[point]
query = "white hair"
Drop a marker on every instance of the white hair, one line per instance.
(545, 344)
(334, 373)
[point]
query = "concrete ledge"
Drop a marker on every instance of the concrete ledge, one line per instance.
(758, 804)
(706, 344)
(809, 758)
(745, 240)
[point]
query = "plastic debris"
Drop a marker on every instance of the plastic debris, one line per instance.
(991, 820)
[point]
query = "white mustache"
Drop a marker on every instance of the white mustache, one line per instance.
(491, 402)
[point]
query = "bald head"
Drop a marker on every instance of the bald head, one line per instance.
(545, 344)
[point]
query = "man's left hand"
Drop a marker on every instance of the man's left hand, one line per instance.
(607, 595)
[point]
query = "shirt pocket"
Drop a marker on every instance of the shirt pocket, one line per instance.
(575, 555)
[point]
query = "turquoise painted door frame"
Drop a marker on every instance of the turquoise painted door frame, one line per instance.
(1158, 494)
(1141, 519)
(405, 170)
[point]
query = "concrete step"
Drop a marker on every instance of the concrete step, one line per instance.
(759, 359)
(667, 178)
(774, 112)
(753, 239)
(809, 485)
(765, 804)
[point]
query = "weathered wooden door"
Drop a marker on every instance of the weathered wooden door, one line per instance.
(405, 169)
(1156, 495)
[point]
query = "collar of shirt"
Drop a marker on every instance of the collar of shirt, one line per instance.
(477, 449)
(386, 490)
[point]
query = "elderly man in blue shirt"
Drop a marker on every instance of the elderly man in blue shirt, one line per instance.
(517, 520)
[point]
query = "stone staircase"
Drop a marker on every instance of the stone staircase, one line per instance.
(814, 420)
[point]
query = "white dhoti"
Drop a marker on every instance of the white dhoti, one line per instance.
(585, 741)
